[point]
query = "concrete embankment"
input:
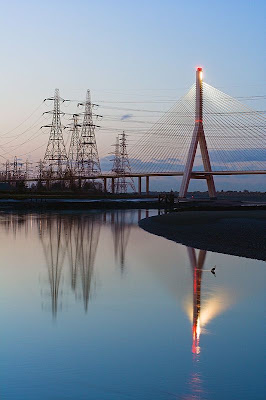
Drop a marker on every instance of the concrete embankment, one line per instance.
(239, 232)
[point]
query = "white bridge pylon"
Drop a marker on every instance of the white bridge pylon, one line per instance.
(198, 137)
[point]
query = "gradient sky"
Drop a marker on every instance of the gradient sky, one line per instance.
(124, 50)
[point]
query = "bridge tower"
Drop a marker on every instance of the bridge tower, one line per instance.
(198, 137)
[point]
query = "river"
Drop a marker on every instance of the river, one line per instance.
(93, 307)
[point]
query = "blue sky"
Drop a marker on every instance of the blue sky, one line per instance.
(124, 50)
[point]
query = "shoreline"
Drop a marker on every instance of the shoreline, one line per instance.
(239, 233)
(54, 202)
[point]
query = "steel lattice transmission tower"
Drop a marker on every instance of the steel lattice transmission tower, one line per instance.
(121, 166)
(198, 137)
(74, 145)
(88, 157)
(116, 168)
(125, 166)
(55, 153)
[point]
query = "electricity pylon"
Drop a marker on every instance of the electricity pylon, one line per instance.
(55, 154)
(125, 166)
(198, 137)
(74, 145)
(15, 168)
(121, 166)
(116, 168)
(88, 158)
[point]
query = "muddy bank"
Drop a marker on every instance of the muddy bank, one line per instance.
(240, 233)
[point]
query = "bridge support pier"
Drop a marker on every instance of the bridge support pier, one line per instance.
(147, 185)
(105, 185)
(139, 186)
(211, 187)
(113, 185)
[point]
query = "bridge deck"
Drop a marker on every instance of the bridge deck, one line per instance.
(194, 174)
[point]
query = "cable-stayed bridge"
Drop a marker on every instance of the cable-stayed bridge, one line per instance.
(205, 134)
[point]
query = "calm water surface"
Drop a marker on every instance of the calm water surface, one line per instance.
(93, 307)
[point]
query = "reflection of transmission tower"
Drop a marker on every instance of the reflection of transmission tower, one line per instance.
(89, 238)
(72, 239)
(121, 166)
(197, 267)
(88, 158)
(121, 232)
(74, 144)
(82, 241)
(55, 154)
(51, 237)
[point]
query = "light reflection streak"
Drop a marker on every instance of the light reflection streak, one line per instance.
(202, 310)
(200, 313)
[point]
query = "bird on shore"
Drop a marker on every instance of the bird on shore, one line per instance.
(213, 270)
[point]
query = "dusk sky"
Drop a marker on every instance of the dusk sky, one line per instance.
(142, 52)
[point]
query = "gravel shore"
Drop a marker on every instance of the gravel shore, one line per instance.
(240, 233)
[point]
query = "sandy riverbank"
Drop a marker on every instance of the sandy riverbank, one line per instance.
(240, 233)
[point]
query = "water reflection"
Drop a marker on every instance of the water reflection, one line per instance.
(121, 227)
(84, 255)
(73, 240)
(197, 267)
(51, 234)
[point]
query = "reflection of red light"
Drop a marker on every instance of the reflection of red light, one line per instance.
(198, 120)
(195, 340)
(196, 312)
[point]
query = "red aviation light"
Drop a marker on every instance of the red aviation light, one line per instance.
(200, 73)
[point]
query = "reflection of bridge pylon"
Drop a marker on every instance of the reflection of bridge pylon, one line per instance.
(197, 267)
